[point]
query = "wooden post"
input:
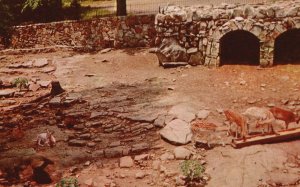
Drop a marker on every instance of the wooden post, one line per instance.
(121, 8)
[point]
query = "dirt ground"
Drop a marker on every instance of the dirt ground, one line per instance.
(132, 86)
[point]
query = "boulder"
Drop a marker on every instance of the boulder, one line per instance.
(183, 112)
(171, 51)
(182, 153)
(177, 132)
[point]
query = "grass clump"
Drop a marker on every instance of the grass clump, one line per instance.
(21, 83)
(192, 170)
(67, 182)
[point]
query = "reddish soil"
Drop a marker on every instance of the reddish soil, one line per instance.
(136, 75)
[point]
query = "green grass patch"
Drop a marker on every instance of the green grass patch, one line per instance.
(89, 12)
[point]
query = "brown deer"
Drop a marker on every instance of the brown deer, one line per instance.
(285, 115)
(239, 120)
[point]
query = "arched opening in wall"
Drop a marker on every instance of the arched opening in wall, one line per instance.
(287, 48)
(239, 47)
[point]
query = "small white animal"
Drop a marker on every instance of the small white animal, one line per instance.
(45, 138)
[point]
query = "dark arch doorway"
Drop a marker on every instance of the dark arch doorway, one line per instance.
(239, 47)
(287, 48)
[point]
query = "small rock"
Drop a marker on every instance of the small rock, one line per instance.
(40, 62)
(251, 101)
(75, 142)
(220, 111)
(85, 136)
(115, 144)
(87, 163)
(203, 114)
(182, 153)
(137, 148)
(126, 162)
(114, 152)
(167, 156)
(34, 87)
(159, 121)
(179, 181)
(44, 84)
(7, 102)
(91, 144)
(141, 157)
(105, 50)
(242, 82)
(156, 164)
(140, 175)
(271, 104)
(171, 88)
(55, 101)
(7, 93)
(263, 85)
(48, 69)
(104, 60)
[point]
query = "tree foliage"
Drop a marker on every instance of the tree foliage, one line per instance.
(43, 10)
(5, 21)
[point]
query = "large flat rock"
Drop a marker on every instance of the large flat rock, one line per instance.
(177, 132)
(183, 112)
(7, 93)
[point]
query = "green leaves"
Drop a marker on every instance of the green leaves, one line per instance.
(20, 82)
(192, 169)
(32, 4)
(67, 182)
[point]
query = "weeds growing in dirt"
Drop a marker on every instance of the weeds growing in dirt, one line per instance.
(20, 83)
(67, 182)
(192, 170)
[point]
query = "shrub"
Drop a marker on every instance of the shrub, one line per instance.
(20, 83)
(192, 170)
(67, 182)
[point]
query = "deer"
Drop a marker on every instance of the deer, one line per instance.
(262, 117)
(269, 120)
(46, 138)
(239, 120)
(285, 115)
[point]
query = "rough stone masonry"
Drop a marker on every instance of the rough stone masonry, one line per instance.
(193, 34)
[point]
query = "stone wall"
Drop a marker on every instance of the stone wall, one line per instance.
(197, 30)
(119, 32)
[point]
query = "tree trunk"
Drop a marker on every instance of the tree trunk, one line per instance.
(121, 8)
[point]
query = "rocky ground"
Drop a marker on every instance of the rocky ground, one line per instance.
(125, 121)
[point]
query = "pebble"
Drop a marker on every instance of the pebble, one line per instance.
(87, 163)
(140, 175)
(91, 144)
(242, 82)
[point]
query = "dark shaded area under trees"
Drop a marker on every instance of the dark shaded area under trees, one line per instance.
(18, 12)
